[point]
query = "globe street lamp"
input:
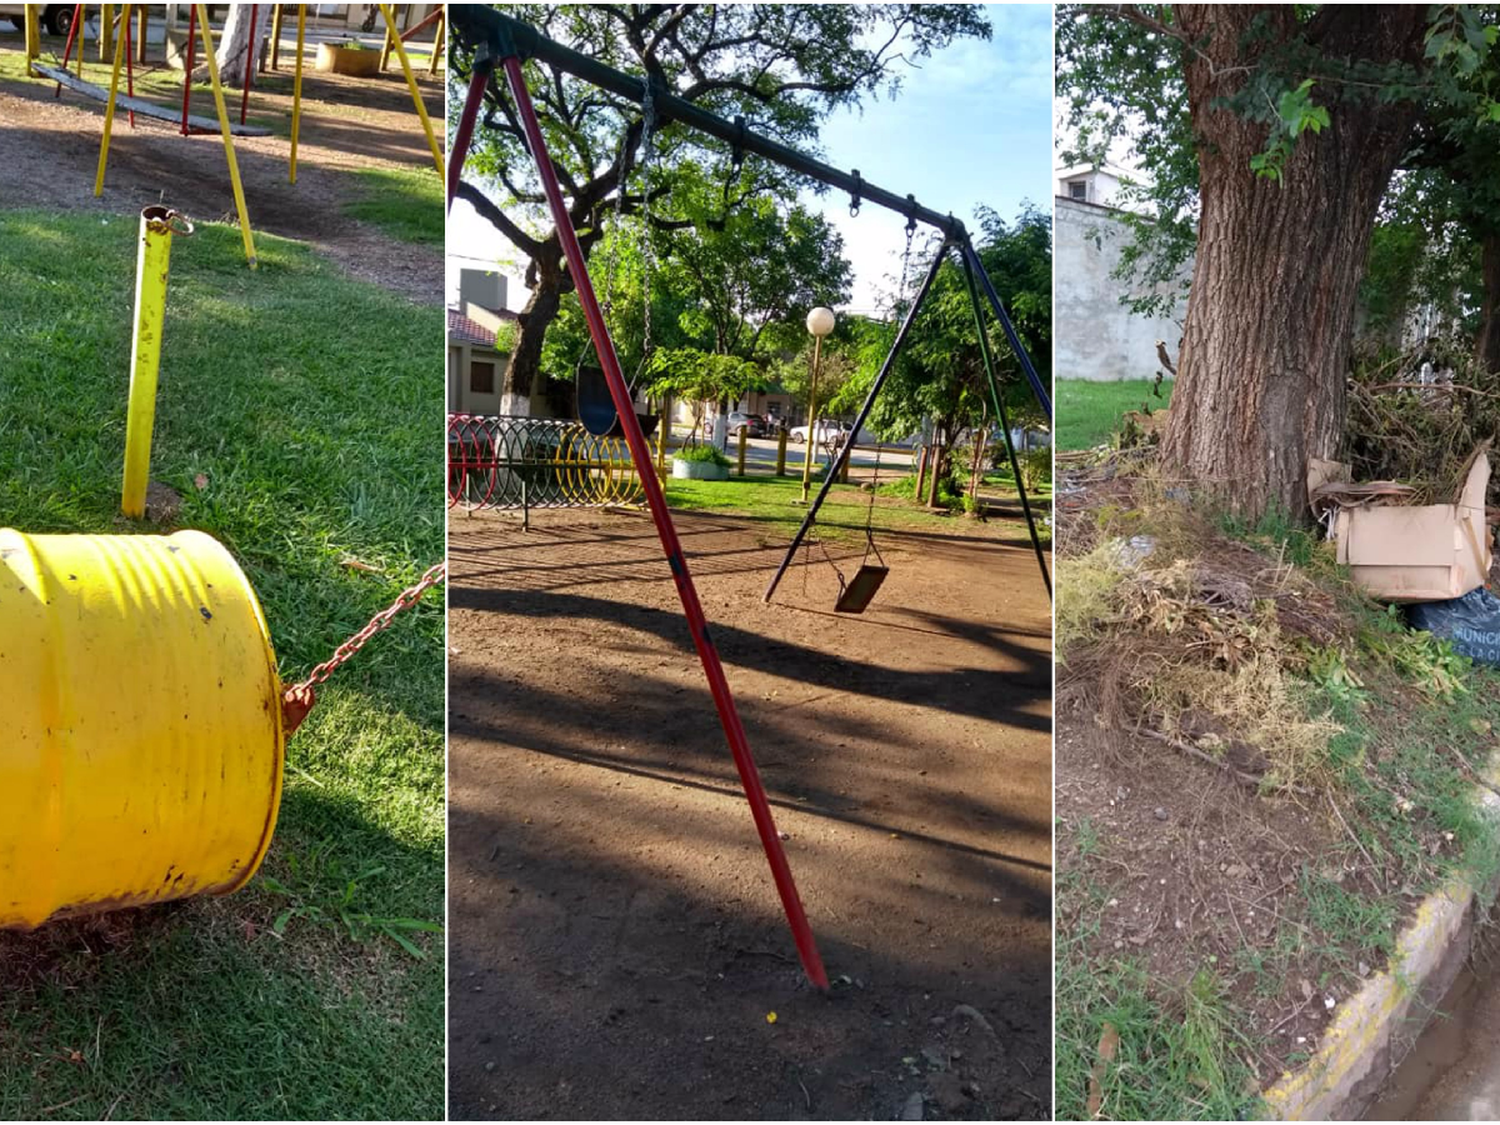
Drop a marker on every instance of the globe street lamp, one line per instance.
(820, 323)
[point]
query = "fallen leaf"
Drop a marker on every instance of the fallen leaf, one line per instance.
(770, 1017)
(1109, 1044)
(200, 482)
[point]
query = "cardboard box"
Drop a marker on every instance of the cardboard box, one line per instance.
(1406, 553)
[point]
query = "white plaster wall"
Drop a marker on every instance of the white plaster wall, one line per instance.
(1096, 337)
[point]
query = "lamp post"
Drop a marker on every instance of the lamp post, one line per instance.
(820, 323)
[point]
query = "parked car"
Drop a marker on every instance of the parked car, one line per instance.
(56, 18)
(828, 432)
(753, 424)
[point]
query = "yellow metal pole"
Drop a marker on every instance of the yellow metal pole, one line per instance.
(812, 419)
(276, 34)
(109, 109)
(297, 86)
(438, 41)
(662, 430)
(144, 22)
(33, 36)
(106, 30)
(234, 168)
(145, 355)
(385, 48)
(411, 82)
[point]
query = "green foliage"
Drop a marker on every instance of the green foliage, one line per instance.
(782, 67)
(701, 454)
(700, 376)
(1296, 114)
(940, 374)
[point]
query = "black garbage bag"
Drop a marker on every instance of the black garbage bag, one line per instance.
(1471, 622)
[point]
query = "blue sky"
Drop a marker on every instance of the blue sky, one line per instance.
(972, 125)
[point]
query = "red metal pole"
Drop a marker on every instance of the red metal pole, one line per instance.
(187, 69)
(465, 132)
(129, 69)
(640, 452)
(249, 60)
(68, 50)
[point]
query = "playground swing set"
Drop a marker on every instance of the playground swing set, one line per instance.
(148, 726)
(502, 43)
(187, 122)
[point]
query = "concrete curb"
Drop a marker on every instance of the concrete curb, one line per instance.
(1374, 1029)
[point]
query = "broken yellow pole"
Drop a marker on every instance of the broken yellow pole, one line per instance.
(154, 256)
(297, 87)
(106, 30)
(276, 35)
(234, 168)
(438, 40)
(109, 109)
(411, 83)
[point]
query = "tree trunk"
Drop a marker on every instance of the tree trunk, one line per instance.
(1487, 347)
(525, 383)
(237, 38)
(1261, 374)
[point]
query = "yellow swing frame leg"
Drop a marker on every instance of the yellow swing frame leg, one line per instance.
(234, 168)
(109, 109)
(438, 41)
(411, 83)
(145, 357)
(33, 36)
(297, 88)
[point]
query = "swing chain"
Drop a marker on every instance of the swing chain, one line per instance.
(648, 147)
(382, 620)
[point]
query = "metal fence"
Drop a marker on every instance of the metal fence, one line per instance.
(502, 461)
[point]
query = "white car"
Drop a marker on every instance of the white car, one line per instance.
(828, 432)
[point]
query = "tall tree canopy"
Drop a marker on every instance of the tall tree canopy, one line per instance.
(1281, 126)
(781, 67)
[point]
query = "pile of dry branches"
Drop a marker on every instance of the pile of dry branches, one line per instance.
(1421, 431)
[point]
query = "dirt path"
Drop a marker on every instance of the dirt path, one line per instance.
(49, 152)
(616, 943)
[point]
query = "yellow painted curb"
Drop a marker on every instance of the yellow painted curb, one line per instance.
(1356, 1053)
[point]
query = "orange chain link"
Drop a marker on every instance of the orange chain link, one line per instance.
(382, 620)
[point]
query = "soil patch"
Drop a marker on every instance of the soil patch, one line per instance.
(617, 949)
(49, 152)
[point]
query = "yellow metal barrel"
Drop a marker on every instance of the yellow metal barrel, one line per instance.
(141, 740)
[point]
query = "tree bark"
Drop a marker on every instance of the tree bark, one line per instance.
(1262, 369)
(1487, 346)
(237, 37)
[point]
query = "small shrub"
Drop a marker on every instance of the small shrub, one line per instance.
(701, 454)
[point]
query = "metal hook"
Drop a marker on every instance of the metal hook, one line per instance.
(854, 200)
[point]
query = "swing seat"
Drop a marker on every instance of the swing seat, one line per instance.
(861, 588)
(596, 409)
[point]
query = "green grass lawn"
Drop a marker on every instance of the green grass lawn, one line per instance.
(774, 502)
(406, 204)
(309, 407)
(1088, 412)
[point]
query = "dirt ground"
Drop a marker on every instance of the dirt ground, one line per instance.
(1188, 865)
(49, 152)
(616, 946)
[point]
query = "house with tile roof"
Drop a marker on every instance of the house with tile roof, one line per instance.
(480, 329)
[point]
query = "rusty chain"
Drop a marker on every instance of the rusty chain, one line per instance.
(382, 620)
(298, 699)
